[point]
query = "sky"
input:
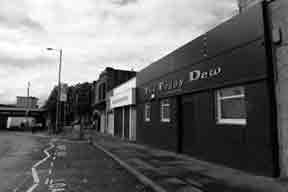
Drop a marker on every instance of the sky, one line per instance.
(93, 34)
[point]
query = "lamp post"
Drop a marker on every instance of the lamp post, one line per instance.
(27, 106)
(59, 87)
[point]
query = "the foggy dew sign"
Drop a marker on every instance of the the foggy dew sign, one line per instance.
(199, 75)
(164, 86)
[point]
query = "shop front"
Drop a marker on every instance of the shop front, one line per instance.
(211, 98)
(122, 103)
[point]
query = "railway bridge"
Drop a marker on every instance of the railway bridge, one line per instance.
(11, 111)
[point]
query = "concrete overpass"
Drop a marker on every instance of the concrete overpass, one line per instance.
(20, 112)
(12, 111)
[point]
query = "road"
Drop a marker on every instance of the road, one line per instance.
(39, 164)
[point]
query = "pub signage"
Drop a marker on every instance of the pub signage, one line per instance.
(164, 86)
(198, 75)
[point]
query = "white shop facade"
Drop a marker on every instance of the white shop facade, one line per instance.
(122, 113)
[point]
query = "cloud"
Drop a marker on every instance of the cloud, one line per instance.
(31, 24)
(24, 63)
(18, 23)
(94, 34)
(14, 15)
(123, 2)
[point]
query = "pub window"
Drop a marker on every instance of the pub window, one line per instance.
(165, 110)
(231, 107)
(147, 112)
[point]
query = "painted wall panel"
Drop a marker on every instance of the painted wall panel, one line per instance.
(236, 32)
(111, 123)
(133, 123)
(233, 67)
(244, 147)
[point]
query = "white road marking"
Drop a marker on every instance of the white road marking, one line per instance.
(34, 171)
(54, 157)
(47, 156)
(50, 171)
(32, 187)
(52, 164)
(51, 181)
(46, 181)
(195, 183)
(57, 185)
(35, 175)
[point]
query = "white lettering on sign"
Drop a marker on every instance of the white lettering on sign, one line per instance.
(57, 185)
(164, 86)
(197, 74)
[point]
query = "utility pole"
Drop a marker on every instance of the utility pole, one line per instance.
(58, 107)
(27, 105)
(58, 120)
(28, 87)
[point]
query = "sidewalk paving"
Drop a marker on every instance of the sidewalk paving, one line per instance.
(173, 172)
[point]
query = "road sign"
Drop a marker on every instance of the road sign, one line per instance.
(63, 93)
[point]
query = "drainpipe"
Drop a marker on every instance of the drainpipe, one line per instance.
(272, 79)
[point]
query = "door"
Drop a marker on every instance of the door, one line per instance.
(188, 131)
(118, 122)
(126, 122)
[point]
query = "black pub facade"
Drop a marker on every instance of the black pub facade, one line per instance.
(212, 98)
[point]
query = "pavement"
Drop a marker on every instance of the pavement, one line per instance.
(39, 163)
(78, 164)
(168, 171)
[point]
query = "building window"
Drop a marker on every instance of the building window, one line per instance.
(102, 91)
(231, 107)
(165, 110)
(147, 112)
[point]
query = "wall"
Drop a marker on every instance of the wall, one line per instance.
(156, 133)
(120, 76)
(244, 4)
(279, 22)
(242, 58)
(206, 46)
(279, 16)
(130, 84)
(132, 123)
(246, 147)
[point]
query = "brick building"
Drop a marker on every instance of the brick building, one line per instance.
(27, 102)
(108, 79)
(78, 105)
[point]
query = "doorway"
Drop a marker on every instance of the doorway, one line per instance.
(126, 121)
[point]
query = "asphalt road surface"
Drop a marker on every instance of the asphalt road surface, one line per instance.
(37, 164)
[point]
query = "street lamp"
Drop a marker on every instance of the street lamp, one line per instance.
(59, 86)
